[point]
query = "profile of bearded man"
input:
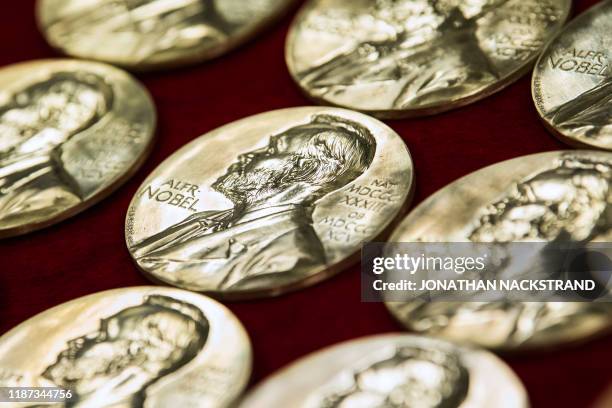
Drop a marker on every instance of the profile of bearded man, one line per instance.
(269, 231)
(130, 350)
(429, 49)
(411, 377)
(35, 123)
(568, 203)
(146, 29)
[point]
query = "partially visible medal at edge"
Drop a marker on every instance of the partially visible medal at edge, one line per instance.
(392, 370)
(145, 35)
(572, 81)
(71, 132)
(562, 196)
(131, 347)
(270, 203)
(407, 58)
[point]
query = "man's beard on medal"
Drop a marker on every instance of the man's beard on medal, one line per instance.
(245, 187)
(85, 371)
(56, 115)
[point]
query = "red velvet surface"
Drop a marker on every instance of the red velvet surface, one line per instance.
(87, 253)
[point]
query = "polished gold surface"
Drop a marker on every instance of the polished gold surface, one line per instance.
(150, 34)
(392, 371)
(70, 133)
(548, 197)
(398, 58)
(269, 203)
(132, 347)
(572, 82)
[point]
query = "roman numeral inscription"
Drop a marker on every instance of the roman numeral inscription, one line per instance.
(374, 197)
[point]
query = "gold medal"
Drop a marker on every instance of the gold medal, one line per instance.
(572, 82)
(132, 347)
(269, 203)
(153, 34)
(401, 58)
(547, 197)
(392, 370)
(71, 132)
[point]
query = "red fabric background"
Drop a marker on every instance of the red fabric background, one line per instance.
(87, 253)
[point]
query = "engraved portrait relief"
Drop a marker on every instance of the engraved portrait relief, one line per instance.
(274, 190)
(130, 351)
(428, 49)
(410, 377)
(35, 122)
(590, 113)
(568, 203)
(145, 27)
